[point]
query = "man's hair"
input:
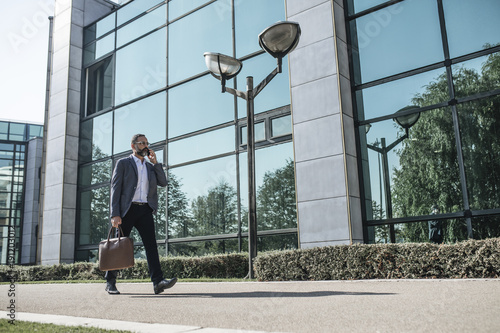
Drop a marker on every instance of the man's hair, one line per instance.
(135, 137)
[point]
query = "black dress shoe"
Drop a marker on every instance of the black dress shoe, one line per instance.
(164, 284)
(111, 288)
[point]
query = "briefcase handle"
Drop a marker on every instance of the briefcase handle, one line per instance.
(119, 232)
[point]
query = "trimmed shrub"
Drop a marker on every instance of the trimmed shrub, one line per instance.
(469, 259)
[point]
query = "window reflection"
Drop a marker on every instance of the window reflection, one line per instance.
(99, 86)
(281, 126)
(95, 138)
(144, 24)
(207, 30)
(468, 38)
(356, 6)
(476, 75)
(387, 98)
(275, 184)
(200, 146)
(106, 24)
(96, 173)
(203, 248)
(203, 199)
(196, 105)
(177, 8)
(396, 39)
(94, 215)
(422, 169)
(141, 67)
(146, 116)
(275, 94)
(480, 134)
(134, 8)
(251, 18)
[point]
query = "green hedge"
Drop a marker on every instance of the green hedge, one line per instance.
(469, 259)
(218, 266)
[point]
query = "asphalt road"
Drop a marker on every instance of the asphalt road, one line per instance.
(325, 306)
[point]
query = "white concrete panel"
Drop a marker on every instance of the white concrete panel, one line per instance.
(318, 138)
(294, 7)
(72, 148)
(59, 81)
(55, 150)
(315, 99)
(72, 124)
(57, 125)
(323, 220)
(71, 170)
(58, 103)
(320, 179)
(312, 245)
(316, 24)
(51, 222)
(60, 37)
(60, 59)
(312, 62)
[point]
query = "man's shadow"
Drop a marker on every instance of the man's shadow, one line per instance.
(257, 294)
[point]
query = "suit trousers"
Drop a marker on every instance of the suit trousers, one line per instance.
(141, 217)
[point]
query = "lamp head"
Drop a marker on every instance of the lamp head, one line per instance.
(280, 38)
(407, 121)
(222, 66)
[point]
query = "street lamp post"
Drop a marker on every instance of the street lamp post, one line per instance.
(406, 121)
(278, 40)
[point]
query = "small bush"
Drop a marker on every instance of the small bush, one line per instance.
(469, 259)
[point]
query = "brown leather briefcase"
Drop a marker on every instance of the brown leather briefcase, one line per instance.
(116, 253)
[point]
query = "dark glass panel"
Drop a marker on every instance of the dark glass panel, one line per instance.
(147, 116)
(420, 90)
(96, 173)
(202, 199)
(96, 136)
(480, 134)
(477, 75)
(201, 146)
(206, 30)
(141, 67)
(251, 18)
(99, 86)
(396, 39)
(203, 248)
(486, 227)
(196, 105)
(94, 215)
(422, 169)
(471, 25)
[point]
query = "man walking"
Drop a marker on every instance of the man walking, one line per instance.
(134, 200)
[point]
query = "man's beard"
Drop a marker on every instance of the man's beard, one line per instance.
(143, 152)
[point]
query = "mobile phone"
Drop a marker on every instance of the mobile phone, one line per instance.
(147, 151)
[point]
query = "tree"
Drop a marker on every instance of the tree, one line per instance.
(429, 171)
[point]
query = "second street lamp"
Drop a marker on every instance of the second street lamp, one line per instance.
(278, 40)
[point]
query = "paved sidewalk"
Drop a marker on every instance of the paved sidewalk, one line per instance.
(324, 306)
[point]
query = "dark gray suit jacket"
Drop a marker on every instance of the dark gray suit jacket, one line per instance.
(124, 183)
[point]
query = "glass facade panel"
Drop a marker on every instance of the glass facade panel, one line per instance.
(203, 248)
(94, 215)
(146, 116)
(144, 24)
(276, 93)
(17, 132)
(99, 86)
(251, 18)
(468, 38)
(486, 227)
(141, 67)
(422, 169)
(96, 136)
(388, 98)
(476, 75)
(207, 30)
(259, 132)
(196, 105)
(133, 9)
(97, 173)
(407, 38)
(203, 199)
(105, 25)
(281, 126)
(356, 6)
(480, 133)
(201, 146)
(177, 8)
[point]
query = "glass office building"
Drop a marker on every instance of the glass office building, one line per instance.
(19, 190)
(332, 166)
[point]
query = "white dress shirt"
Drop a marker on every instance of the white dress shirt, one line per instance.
(141, 191)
